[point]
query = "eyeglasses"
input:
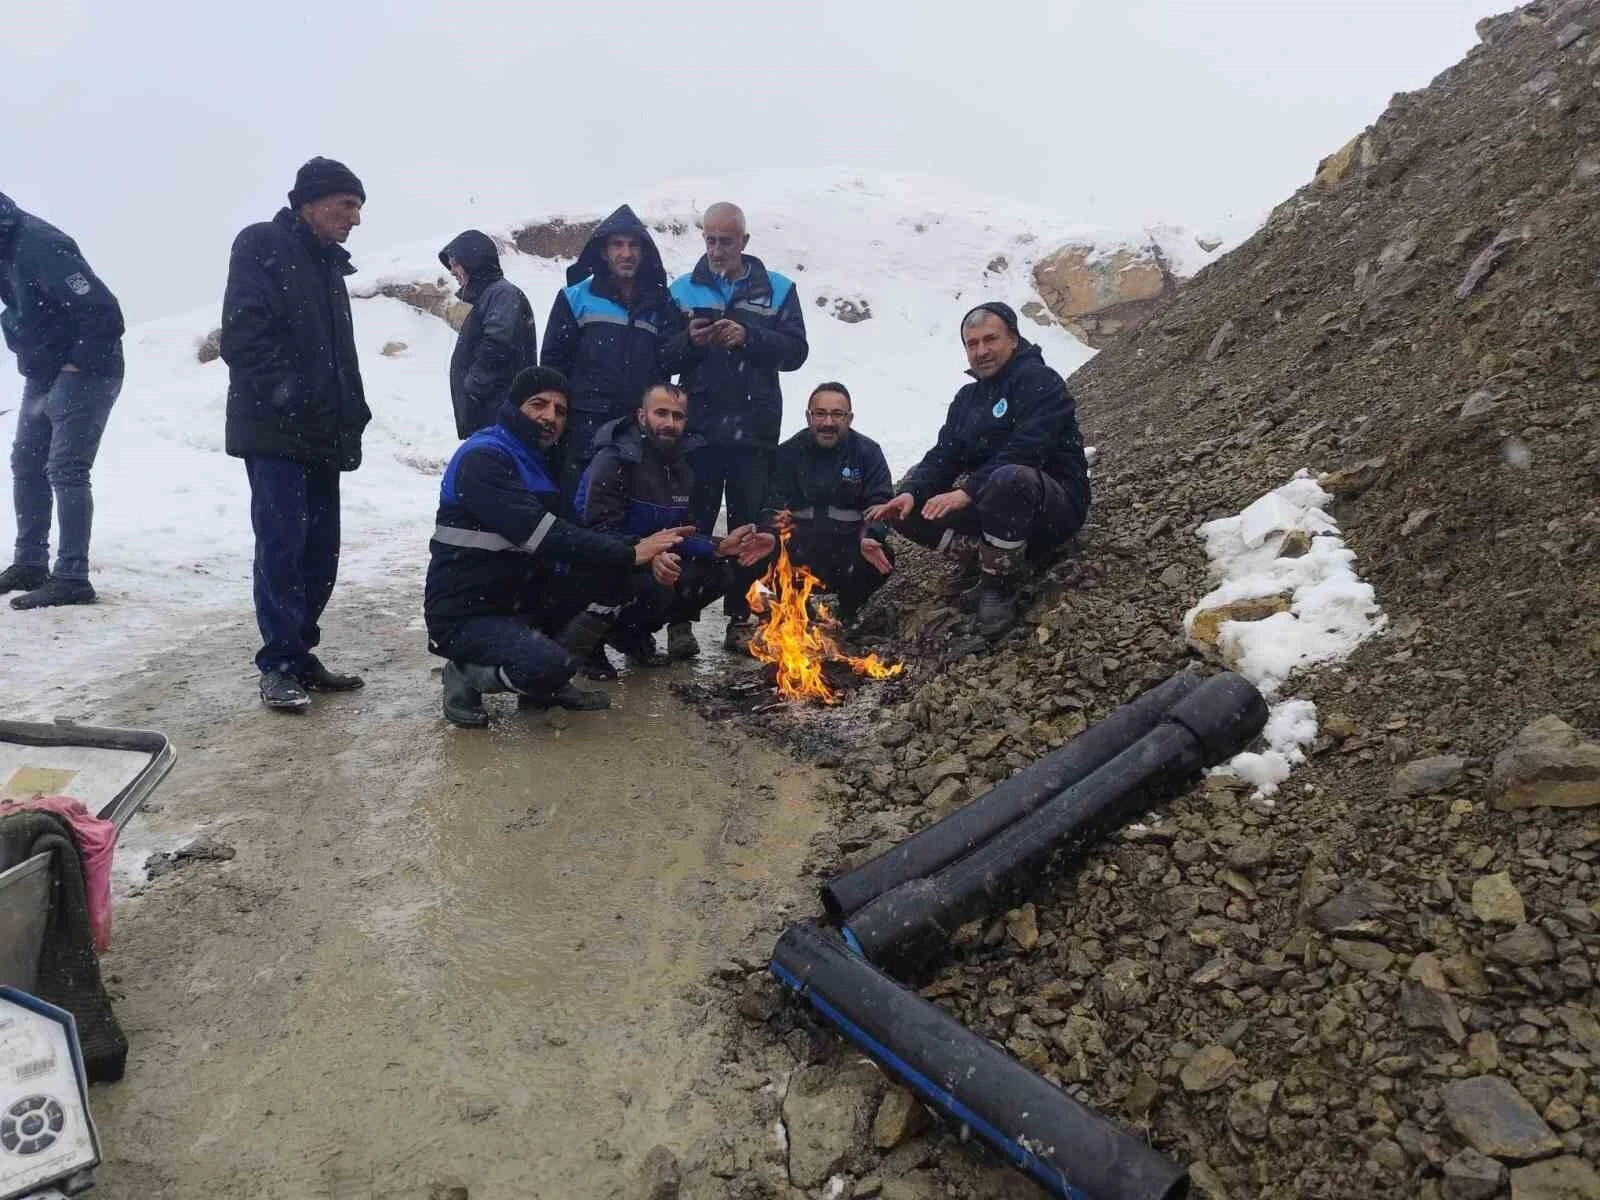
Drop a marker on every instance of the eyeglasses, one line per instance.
(828, 414)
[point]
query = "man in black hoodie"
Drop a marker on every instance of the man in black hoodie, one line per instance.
(66, 329)
(608, 332)
(1011, 442)
(296, 412)
(497, 339)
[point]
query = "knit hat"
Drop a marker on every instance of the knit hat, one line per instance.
(530, 381)
(1000, 309)
(324, 177)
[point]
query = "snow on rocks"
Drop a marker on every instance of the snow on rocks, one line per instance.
(1287, 598)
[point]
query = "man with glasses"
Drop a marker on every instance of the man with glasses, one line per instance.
(824, 479)
(744, 327)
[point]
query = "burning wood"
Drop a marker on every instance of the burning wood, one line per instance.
(796, 643)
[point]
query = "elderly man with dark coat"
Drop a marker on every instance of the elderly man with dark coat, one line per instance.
(497, 339)
(65, 328)
(296, 412)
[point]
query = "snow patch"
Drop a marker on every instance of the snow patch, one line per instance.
(1332, 610)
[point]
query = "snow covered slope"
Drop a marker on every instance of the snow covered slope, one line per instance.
(172, 541)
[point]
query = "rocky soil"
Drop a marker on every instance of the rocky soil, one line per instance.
(1382, 983)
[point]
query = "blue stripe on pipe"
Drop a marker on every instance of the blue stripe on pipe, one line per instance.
(850, 940)
(1026, 1160)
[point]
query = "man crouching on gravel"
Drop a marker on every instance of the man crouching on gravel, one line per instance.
(516, 597)
(1011, 438)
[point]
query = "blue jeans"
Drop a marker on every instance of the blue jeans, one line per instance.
(531, 662)
(58, 434)
(294, 510)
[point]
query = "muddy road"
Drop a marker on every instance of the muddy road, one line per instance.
(437, 954)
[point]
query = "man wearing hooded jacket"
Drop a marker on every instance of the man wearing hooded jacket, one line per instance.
(608, 332)
(497, 339)
(66, 329)
(1007, 478)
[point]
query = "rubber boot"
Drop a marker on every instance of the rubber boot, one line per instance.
(681, 642)
(20, 578)
(996, 597)
(464, 687)
(584, 632)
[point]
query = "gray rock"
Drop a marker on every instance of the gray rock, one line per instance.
(1569, 34)
(896, 733)
(1174, 576)
(1492, 1117)
(1583, 1027)
(1480, 403)
(1363, 956)
(827, 1113)
(1496, 899)
(1122, 985)
(1547, 764)
(1472, 1176)
(658, 1177)
(1022, 924)
(211, 348)
(1559, 1179)
(1249, 1109)
(1250, 853)
(1361, 908)
(1425, 776)
(761, 997)
(900, 1118)
(1208, 1068)
(929, 777)
(1424, 1008)
(1207, 1183)
(1524, 946)
(1224, 338)
(945, 795)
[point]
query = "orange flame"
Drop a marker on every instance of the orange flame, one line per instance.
(793, 642)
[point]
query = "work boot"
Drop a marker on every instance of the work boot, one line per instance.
(281, 692)
(464, 685)
(56, 591)
(581, 635)
(996, 597)
(597, 665)
(569, 697)
(20, 578)
(737, 639)
(317, 678)
(681, 642)
(640, 648)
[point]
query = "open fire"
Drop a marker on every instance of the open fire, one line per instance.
(795, 642)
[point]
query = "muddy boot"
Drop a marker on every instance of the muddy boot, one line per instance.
(962, 552)
(282, 692)
(315, 677)
(19, 578)
(996, 598)
(737, 639)
(580, 636)
(569, 697)
(640, 648)
(681, 642)
(464, 686)
(56, 591)
(597, 665)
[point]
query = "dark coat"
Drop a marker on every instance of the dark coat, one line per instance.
(294, 385)
(497, 526)
(497, 339)
(1024, 416)
(56, 309)
(630, 488)
(834, 486)
(734, 395)
(611, 350)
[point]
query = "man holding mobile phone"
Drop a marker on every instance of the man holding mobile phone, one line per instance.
(745, 327)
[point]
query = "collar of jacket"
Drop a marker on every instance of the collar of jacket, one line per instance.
(335, 255)
(510, 417)
(647, 290)
(624, 433)
(477, 283)
(1025, 350)
(754, 279)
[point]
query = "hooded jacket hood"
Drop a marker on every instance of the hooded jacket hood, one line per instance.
(592, 261)
(476, 251)
(10, 217)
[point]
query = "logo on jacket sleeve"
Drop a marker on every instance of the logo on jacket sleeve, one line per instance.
(1000, 407)
(78, 284)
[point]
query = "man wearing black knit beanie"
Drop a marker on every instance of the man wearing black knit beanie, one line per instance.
(296, 411)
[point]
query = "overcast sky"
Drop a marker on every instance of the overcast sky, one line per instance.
(152, 131)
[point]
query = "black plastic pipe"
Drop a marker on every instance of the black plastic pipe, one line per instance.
(1069, 1148)
(941, 843)
(906, 930)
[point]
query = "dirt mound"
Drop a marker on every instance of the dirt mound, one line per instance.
(1294, 996)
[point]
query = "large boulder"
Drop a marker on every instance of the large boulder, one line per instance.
(1098, 295)
(1547, 764)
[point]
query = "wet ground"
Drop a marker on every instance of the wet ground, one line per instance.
(438, 954)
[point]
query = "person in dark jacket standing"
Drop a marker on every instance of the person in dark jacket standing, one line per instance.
(296, 411)
(497, 339)
(639, 482)
(607, 333)
(745, 327)
(824, 479)
(502, 602)
(65, 328)
(1007, 478)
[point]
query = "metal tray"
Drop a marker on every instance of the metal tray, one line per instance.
(113, 771)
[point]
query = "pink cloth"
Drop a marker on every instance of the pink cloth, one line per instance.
(97, 842)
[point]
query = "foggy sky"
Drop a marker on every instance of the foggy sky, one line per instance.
(153, 131)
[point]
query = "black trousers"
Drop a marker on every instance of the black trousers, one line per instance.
(741, 474)
(1016, 508)
(652, 605)
(832, 552)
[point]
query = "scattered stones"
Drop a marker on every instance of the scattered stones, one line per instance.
(1363, 956)
(1494, 1119)
(1122, 985)
(1022, 925)
(827, 1113)
(1565, 1178)
(1547, 764)
(1224, 338)
(900, 1118)
(1424, 1008)
(1426, 970)
(1472, 1176)
(1583, 1027)
(1524, 946)
(1249, 1109)
(1425, 776)
(1496, 899)
(658, 1177)
(1174, 577)
(929, 777)
(1484, 1050)
(1208, 1069)
(1569, 34)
